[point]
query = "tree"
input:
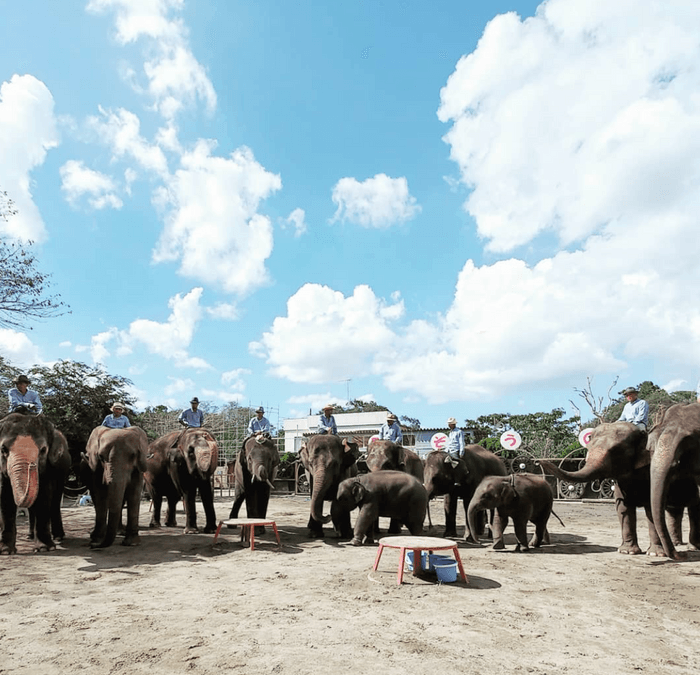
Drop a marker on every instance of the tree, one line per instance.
(23, 287)
(357, 406)
(76, 398)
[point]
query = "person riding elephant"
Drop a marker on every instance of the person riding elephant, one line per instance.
(34, 462)
(179, 464)
(523, 497)
(254, 471)
(386, 455)
(622, 451)
(328, 460)
(22, 399)
(113, 467)
(458, 479)
(676, 456)
(395, 494)
(391, 430)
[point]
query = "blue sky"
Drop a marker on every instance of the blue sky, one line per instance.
(452, 208)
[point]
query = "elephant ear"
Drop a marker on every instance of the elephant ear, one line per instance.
(454, 463)
(58, 445)
(508, 493)
(359, 492)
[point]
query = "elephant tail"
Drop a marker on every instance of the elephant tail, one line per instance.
(558, 518)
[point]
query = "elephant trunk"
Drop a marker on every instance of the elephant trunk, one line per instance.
(594, 469)
(203, 460)
(661, 465)
(23, 471)
(107, 472)
(322, 482)
(115, 501)
(474, 508)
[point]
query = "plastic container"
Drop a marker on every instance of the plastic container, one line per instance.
(426, 561)
(446, 572)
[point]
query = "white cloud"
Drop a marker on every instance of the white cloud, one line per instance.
(224, 310)
(175, 77)
(311, 402)
(211, 221)
(27, 132)
(78, 180)
(326, 336)
(377, 202)
(234, 378)
(18, 349)
(178, 385)
(297, 219)
(675, 385)
(226, 396)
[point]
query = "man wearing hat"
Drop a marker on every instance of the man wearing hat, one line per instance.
(636, 411)
(391, 431)
(326, 423)
(455, 440)
(116, 420)
(259, 425)
(23, 399)
(192, 417)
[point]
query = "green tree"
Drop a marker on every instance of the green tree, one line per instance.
(357, 406)
(23, 287)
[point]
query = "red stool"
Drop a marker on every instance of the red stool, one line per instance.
(247, 526)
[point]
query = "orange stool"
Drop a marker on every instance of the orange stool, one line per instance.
(247, 526)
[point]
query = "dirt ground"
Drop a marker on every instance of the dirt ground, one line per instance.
(177, 604)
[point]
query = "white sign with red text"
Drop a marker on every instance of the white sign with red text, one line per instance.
(438, 441)
(584, 438)
(511, 440)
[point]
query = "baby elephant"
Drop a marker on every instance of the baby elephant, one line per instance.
(523, 497)
(392, 494)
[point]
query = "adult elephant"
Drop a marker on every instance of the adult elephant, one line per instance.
(254, 473)
(328, 460)
(179, 464)
(676, 457)
(385, 455)
(619, 450)
(34, 461)
(458, 479)
(114, 462)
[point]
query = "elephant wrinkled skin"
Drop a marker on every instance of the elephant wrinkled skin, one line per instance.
(113, 467)
(34, 462)
(178, 472)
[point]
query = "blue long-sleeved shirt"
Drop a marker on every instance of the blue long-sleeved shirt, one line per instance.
(18, 399)
(193, 418)
(391, 432)
(255, 425)
(327, 425)
(455, 443)
(121, 422)
(636, 412)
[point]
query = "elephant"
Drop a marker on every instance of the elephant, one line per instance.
(113, 466)
(523, 497)
(676, 456)
(179, 464)
(395, 494)
(621, 451)
(328, 460)
(383, 455)
(459, 478)
(254, 473)
(34, 461)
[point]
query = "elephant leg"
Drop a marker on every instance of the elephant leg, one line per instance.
(450, 502)
(238, 497)
(656, 548)
(341, 521)
(694, 524)
(627, 515)
(8, 508)
(188, 499)
(520, 525)
(499, 524)
(674, 522)
(133, 505)
(261, 497)
(363, 525)
(394, 526)
(57, 530)
(170, 519)
(157, 503)
(206, 494)
(315, 528)
(541, 535)
(99, 501)
(32, 525)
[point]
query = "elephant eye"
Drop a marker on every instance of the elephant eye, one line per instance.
(43, 450)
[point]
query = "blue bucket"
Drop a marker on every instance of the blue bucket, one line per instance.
(426, 561)
(446, 572)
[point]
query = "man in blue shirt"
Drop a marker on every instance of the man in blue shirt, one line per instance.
(326, 423)
(259, 425)
(116, 420)
(391, 431)
(455, 439)
(636, 411)
(192, 417)
(23, 399)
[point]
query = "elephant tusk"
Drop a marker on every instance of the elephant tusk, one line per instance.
(269, 482)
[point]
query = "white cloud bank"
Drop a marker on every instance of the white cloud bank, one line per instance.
(27, 132)
(583, 122)
(378, 202)
(77, 180)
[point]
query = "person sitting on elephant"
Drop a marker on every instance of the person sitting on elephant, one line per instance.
(192, 417)
(636, 410)
(259, 425)
(23, 399)
(117, 420)
(326, 423)
(455, 440)
(391, 431)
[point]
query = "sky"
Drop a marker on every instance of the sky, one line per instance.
(451, 208)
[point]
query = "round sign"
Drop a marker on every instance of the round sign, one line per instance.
(372, 439)
(438, 441)
(511, 440)
(584, 438)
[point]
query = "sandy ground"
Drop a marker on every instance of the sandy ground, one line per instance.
(177, 604)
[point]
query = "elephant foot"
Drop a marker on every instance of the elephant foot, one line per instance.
(630, 549)
(131, 540)
(154, 525)
(450, 533)
(355, 542)
(190, 530)
(97, 544)
(259, 529)
(210, 529)
(6, 549)
(498, 545)
(522, 549)
(39, 548)
(468, 539)
(656, 551)
(30, 536)
(232, 527)
(171, 523)
(313, 534)
(694, 545)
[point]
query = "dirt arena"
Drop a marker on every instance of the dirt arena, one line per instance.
(177, 604)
